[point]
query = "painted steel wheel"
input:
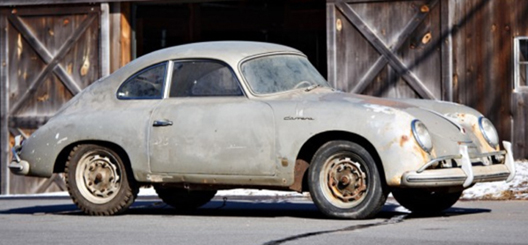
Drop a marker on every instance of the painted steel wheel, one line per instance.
(180, 198)
(426, 201)
(344, 181)
(98, 181)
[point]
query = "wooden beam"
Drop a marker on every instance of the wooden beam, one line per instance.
(44, 54)
(72, 39)
(105, 40)
(380, 46)
(446, 49)
(331, 44)
(32, 122)
(4, 106)
(35, 11)
(11, 3)
(381, 62)
(115, 36)
(54, 179)
(126, 34)
(365, 1)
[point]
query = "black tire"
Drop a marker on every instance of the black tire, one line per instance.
(344, 181)
(98, 181)
(184, 199)
(426, 201)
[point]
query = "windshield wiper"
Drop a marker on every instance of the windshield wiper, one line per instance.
(312, 87)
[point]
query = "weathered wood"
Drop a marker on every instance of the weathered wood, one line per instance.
(41, 11)
(519, 97)
(115, 36)
(446, 49)
(380, 46)
(27, 122)
(367, 1)
(50, 65)
(126, 34)
(44, 54)
(331, 44)
(503, 75)
(519, 113)
(10, 3)
(105, 39)
(381, 62)
(54, 179)
(4, 106)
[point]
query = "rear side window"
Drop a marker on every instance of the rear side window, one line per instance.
(203, 78)
(146, 84)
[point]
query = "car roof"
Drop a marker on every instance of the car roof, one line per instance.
(229, 51)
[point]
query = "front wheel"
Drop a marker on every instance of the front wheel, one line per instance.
(426, 201)
(344, 181)
(98, 182)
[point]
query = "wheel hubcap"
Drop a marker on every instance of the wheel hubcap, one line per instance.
(345, 181)
(100, 178)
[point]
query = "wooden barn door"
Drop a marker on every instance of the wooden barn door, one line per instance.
(387, 48)
(49, 54)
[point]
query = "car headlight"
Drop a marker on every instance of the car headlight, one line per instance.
(421, 135)
(488, 131)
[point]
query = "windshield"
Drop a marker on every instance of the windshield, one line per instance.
(278, 73)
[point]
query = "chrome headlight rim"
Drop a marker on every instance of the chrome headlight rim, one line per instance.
(421, 135)
(489, 132)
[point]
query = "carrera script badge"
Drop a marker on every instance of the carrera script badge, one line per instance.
(298, 118)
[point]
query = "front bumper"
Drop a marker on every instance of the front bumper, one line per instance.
(465, 175)
(17, 165)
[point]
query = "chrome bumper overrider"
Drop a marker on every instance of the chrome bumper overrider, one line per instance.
(17, 165)
(466, 174)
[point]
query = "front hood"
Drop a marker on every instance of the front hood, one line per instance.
(449, 124)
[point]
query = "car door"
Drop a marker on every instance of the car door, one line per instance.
(207, 125)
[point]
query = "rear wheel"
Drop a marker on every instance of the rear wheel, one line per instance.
(426, 201)
(344, 181)
(180, 198)
(98, 182)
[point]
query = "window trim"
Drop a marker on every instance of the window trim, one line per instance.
(164, 86)
(517, 65)
(235, 76)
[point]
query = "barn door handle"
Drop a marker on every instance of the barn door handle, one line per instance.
(162, 123)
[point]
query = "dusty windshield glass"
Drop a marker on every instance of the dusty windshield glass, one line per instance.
(278, 73)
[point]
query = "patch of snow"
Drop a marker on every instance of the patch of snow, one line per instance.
(517, 189)
(236, 192)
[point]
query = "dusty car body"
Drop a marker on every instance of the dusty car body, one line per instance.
(197, 118)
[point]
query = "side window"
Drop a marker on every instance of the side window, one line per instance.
(146, 84)
(521, 63)
(203, 78)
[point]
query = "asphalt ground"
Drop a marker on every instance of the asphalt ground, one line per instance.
(258, 220)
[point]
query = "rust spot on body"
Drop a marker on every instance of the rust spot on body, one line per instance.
(300, 169)
(404, 140)
(421, 153)
(284, 162)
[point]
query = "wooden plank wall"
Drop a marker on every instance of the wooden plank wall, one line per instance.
(483, 37)
(390, 56)
(4, 130)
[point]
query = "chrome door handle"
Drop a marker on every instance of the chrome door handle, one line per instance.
(162, 123)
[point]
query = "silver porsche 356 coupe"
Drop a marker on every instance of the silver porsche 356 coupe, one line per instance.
(194, 119)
